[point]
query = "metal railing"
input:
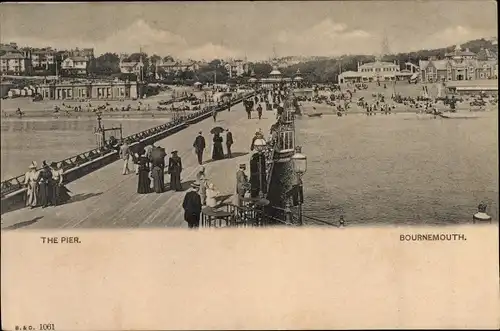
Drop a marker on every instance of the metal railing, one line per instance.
(16, 183)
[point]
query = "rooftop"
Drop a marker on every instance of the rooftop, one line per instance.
(12, 56)
(378, 64)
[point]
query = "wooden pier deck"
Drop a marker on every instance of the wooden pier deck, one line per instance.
(108, 199)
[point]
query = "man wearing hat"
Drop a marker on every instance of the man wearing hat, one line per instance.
(31, 182)
(175, 169)
(241, 183)
(125, 155)
(192, 206)
(199, 146)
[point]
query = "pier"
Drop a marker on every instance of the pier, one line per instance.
(104, 198)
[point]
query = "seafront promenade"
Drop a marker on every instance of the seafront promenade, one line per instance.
(108, 199)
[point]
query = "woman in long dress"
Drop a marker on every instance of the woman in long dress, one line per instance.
(31, 182)
(218, 152)
(61, 193)
(144, 182)
(45, 185)
(157, 175)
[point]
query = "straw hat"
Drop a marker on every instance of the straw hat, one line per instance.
(243, 166)
(195, 185)
(32, 165)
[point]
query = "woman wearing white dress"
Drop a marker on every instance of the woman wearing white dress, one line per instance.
(31, 182)
(212, 195)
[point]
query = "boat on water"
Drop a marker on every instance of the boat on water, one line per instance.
(457, 115)
(315, 115)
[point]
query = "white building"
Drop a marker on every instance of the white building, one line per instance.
(131, 67)
(236, 68)
(75, 65)
(14, 64)
(377, 71)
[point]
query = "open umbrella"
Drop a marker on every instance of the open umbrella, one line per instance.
(217, 129)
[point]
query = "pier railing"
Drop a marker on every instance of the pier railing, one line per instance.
(251, 216)
(79, 165)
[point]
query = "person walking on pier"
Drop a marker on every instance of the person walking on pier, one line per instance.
(45, 184)
(241, 184)
(199, 146)
(144, 182)
(214, 114)
(192, 207)
(31, 182)
(175, 169)
(217, 150)
(229, 143)
(125, 155)
(202, 181)
(259, 111)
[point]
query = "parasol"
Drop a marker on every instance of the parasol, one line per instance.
(217, 129)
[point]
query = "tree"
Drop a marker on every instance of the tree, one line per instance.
(107, 64)
(261, 69)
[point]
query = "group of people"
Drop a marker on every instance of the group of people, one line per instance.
(203, 193)
(217, 149)
(149, 164)
(44, 186)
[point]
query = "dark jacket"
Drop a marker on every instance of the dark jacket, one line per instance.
(192, 203)
(229, 138)
(175, 165)
(199, 143)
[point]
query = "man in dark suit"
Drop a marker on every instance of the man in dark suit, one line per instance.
(259, 111)
(192, 207)
(199, 145)
(229, 143)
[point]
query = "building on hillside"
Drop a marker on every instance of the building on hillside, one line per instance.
(131, 67)
(115, 90)
(75, 65)
(15, 64)
(87, 53)
(236, 68)
(378, 71)
(175, 67)
(459, 65)
(43, 59)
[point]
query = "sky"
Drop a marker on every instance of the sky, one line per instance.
(208, 30)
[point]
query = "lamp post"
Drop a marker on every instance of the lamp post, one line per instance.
(260, 146)
(300, 167)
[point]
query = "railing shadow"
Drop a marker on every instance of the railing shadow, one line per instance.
(23, 224)
(233, 156)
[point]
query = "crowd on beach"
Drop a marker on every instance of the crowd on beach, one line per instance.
(342, 100)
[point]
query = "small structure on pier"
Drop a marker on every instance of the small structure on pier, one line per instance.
(100, 132)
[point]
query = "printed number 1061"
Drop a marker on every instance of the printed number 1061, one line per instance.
(48, 327)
